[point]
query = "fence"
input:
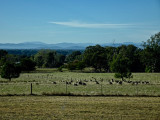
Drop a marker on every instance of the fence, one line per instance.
(78, 89)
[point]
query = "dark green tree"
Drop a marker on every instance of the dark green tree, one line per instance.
(134, 55)
(96, 57)
(3, 53)
(120, 65)
(151, 53)
(39, 61)
(76, 65)
(72, 65)
(110, 51)
(10, 58)
(73, 56)
(59, 60)
(10, 70)
(80, 65)
(27, 65)
(40, 57)
(48, 59)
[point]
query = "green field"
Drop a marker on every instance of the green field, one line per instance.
(51, 82)
(79, 108)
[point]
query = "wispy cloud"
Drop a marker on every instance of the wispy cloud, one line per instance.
(89, 25)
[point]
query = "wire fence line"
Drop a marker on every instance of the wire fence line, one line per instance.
(80, 89)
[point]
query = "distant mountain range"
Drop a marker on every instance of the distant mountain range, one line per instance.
(75, 46)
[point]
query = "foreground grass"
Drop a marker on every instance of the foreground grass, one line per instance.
(79, 108)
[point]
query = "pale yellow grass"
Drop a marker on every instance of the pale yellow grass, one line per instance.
(79, 108)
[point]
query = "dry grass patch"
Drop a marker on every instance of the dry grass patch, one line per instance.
(81, 108)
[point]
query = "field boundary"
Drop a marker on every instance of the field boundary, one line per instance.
(78, 95)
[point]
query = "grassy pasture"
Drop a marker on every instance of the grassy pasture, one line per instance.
(79, 108)
(43, 83)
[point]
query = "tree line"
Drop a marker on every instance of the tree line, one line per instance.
(122, 60)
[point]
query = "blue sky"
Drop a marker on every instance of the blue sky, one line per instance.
(78, 21)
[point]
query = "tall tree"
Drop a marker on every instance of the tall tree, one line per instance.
(73, 56)
(110, 51)
(10, 58)
(133, 54)
(96, 57)
(27, 65)
(120, 65)
(59, 60)
(39, 61)
(76, 65)
(151, 54)
(10, 70)
(40, 57)
(80, 65)
(48, 59)
(3, 53)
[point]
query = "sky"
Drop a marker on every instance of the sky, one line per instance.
(78, 21)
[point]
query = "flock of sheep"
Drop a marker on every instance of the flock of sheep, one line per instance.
(99, 81)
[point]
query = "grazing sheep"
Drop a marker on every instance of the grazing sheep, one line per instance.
(112, 80)
(110, 83)
(37, 83)
(101, 79)
(124, 80)
(85, 80)
(80, 82)
(120, 82)
(68, 83)
(97, 82)
(75, 84)
(135, 83)
(54, 82)
(117, 81)
(84, 84)
(129, 81)
(143, 82)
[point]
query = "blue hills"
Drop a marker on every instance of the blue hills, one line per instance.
(75, 46)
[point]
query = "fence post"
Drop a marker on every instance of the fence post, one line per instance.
(31, 89)
(101, 89)
(66, 87)
(137, 90)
